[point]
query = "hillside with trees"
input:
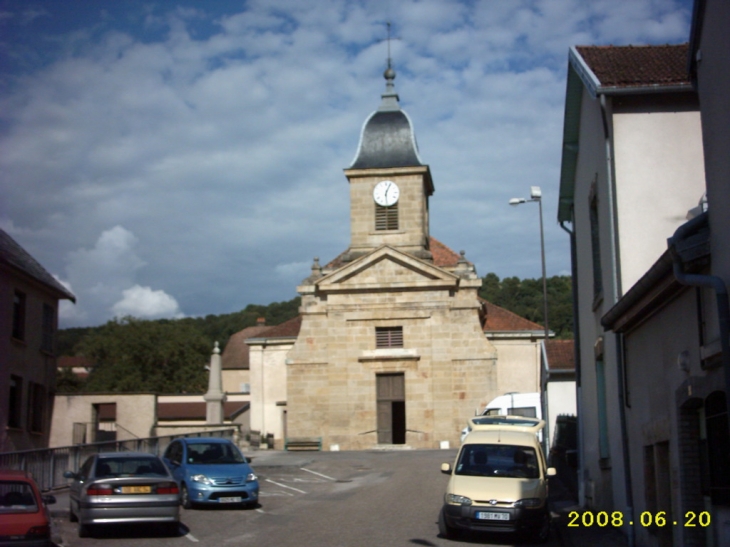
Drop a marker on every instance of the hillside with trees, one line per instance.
(169, 355)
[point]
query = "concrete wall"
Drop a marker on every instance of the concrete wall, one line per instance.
(519, 366)
(136, 413)
(659, 177)
(267, 359)
(561, 399)
(234, 380)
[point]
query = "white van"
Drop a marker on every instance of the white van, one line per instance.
(528, 405)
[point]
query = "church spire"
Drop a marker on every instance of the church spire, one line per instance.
(390, 97)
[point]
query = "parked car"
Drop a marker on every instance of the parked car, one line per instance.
(512, 404)
(24, 517)
(123, 487)
(499, 480)
(211, 471)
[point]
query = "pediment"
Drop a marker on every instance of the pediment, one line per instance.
(386, 269)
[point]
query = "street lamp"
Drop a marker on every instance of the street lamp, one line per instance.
(536, 196)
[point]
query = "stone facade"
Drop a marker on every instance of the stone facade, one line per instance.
(448, 365)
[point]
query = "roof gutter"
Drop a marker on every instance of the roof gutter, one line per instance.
(680, 245)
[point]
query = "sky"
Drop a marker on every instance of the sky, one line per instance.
(182, 158)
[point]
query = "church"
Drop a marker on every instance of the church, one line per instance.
(393, 347)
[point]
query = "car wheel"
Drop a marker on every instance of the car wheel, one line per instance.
(71, 515)
(542, 533)
(444, 529)
(185, 498)
(84, 530)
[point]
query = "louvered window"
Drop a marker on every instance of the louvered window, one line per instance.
(386, 218)
(388, 337)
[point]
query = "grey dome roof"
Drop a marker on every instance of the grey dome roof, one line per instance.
(387, 138)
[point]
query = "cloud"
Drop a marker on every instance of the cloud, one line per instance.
(206, 144)
(145, 303)
(105, 281)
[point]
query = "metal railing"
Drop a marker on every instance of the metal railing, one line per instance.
(47, 465)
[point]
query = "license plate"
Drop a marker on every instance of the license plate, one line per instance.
(136, 489)
(230, 499)
(481, 515)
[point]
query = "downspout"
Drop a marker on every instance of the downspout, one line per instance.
(708, 281)
(576, 358)
(615, 297)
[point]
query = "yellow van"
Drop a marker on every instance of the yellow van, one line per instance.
(499, 480)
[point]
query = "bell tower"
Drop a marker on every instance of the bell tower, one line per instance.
(389, 184)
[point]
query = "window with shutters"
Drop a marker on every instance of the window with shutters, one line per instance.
(386, 218)
(388, 337)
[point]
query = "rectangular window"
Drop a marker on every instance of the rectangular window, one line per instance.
(36, 407)
(49, 328)
(15, 400)
(386, 218)
(19, 315)
(388, 337)
(596, 245)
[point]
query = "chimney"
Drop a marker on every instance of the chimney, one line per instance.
(261, 321)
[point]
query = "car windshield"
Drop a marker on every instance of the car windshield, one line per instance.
(17, 497)
(498, 460)
(129, 467)
(213, 453)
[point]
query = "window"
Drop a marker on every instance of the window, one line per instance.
(19, 315)
(386, 218)
(15, 398)
(36, 407)
(596, 245)
(388, 337)
(49, 328)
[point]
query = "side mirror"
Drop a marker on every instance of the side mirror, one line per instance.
(551, 472)
(446, 468)
(70, 475)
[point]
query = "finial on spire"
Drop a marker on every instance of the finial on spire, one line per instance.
(389, 73)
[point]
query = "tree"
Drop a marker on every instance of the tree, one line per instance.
(159, 356)
(525, 298)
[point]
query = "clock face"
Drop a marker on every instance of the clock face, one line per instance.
(386, 193)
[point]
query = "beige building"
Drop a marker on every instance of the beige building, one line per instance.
(391, 349)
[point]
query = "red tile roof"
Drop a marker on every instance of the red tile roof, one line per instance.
(560, 355)
(285, 330)
(637, 66)
(235, 354)
(500, 320)
(196, 411)
(442, 256)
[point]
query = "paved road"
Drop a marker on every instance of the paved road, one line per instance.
(328, 499)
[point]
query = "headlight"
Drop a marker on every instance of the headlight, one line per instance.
(453, 499)
(529, 503)
(251, 477)
(202, 479)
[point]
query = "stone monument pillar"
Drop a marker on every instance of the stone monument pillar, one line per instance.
(215, 397)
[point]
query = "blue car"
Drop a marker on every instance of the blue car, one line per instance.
(211, 471)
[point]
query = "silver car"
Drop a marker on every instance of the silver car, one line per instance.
(123, 487)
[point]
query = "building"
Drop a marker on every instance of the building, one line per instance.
(29, 298)
(391, 348)
(632, 167)
(558, 383)
(673, 327)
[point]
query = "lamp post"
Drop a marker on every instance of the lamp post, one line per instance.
(536, 196)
